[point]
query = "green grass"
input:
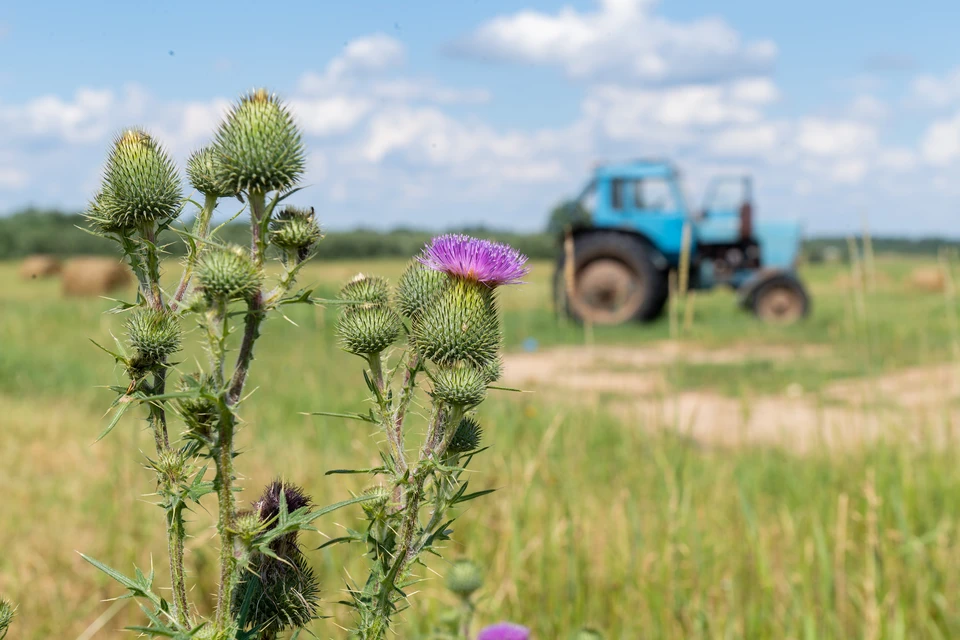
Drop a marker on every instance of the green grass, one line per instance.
(594, 521)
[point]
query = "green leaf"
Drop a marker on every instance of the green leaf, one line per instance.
(472, 496)
(374, 470)
(330, 414)
(115, 420)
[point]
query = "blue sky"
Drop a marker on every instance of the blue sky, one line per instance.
(441, 114)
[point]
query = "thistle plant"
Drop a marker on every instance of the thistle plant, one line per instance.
(443, 324)
(441, 321)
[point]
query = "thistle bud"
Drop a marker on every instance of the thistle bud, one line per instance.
(368, 330)
(378, 497)
(226, 274)
(7, 613)
(199, 411)
(248, 526)
(464, 578)
(283, 591)
(295, 229)
(202, 169)
(460, 384)
(209, 632)
(172, 466)
(466, 437)
(368, 290)
(417, 288)
(461, 323)
(97, 217)
(258, 146)
(140, 184)
(492, 369)
(154, 335)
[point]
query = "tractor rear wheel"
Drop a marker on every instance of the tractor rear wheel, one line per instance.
(615, 281)
(780, 301)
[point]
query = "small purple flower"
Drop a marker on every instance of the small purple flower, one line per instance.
(490, 263)
(504, 631)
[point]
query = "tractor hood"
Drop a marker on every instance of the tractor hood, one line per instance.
(779, 242)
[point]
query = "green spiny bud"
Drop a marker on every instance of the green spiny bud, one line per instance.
(140, 184)
(463, 578)
(7, 613)
(378, 499)
(295, 229)
(259, 146)
(460, 384)
(172, 465)
(586, 634)
(226, 274)
(202, 169)
(417, 287)
(209, 632)
(368, 330)
(154, 335)
(369, 290)
(461, 323)
(248, 526)
(98, 217)
(466, 437)
(492, 369)
(199, 411)
(283, 593)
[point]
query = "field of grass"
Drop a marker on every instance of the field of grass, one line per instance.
(596, 520)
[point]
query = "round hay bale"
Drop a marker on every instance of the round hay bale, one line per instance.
(39, 266)
(927, 279)
(93, 276)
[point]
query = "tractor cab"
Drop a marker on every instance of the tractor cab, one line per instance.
(641, 205)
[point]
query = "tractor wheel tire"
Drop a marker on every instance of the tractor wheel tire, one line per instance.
(780, 300)
(615, 281)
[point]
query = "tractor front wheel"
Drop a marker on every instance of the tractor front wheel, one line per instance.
(614, 281)
(780, 301)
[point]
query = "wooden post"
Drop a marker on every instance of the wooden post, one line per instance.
(685, 242)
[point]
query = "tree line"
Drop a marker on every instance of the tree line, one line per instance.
(33, 231)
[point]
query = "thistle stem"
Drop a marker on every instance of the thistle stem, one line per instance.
(176, 533)
(153, 265)
(200, 229)
(225, 522)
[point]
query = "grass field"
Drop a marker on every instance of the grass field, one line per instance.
(600, 517)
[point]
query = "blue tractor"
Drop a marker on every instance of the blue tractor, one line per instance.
(627, 231)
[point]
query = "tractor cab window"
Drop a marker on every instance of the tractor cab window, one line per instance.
(617, 188)
(654, 195)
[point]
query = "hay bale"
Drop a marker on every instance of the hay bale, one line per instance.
(91, 276)
(39, 266)
(927, 279)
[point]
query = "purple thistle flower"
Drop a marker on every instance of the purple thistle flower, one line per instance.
(484, 261)
(504, 631)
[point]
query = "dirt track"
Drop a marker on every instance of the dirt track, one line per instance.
(915, 403)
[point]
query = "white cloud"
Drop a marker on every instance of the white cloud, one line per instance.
(941, 143)
(936, 91)
(674, 114)
(330, 116)
(621, 40)
(12, 179)
(821, 137)
(406, 90)
(85, 118)
(849, 171)
(897, 159)
(752, 140)
(369, 54)
(868, 107)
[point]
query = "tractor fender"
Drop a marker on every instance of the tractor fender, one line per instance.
(656, 256)
(749, 287)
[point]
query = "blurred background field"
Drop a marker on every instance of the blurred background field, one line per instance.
(717, 479)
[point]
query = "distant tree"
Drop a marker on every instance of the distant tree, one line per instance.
(568, 212)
